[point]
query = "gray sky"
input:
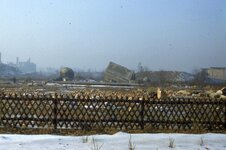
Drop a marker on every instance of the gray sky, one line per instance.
(161, 34)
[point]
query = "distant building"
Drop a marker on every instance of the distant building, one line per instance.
(118, 74)
(24, 67)
(27, 66)
(216, 73)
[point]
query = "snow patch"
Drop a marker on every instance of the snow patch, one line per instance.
(118, 141)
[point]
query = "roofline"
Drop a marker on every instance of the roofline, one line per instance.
(218, 67)
(113, 63)
(215, 68)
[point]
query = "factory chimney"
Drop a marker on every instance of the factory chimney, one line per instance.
(0, 57)
(17, 61)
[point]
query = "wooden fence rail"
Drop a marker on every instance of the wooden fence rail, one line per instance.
(65, 112)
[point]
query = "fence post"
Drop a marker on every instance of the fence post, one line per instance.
(142, 114)
(224, 115)
(1, 97)
(55, 99)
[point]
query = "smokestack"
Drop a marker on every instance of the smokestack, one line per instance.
(0, 57)
(17, 61)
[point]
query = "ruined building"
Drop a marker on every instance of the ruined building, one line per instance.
(118, 74)
(66, 74)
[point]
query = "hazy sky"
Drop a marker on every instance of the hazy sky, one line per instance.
(161, 34)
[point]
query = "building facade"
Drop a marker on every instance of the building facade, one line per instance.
(216, 73)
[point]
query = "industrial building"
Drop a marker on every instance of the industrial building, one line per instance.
(216, 73)
(24, 67)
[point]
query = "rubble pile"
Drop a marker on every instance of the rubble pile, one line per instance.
(114, 93)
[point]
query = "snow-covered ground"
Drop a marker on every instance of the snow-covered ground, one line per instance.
(118, 141)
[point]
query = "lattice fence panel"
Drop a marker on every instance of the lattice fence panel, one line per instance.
(65, 112)
(26, 112)
(185, 114)
(101, 113)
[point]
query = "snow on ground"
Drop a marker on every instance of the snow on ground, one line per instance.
(118, 141)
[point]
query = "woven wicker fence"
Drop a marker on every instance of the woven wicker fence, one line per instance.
(64, 112)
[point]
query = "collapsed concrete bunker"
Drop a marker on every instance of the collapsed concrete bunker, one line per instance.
(115, 73)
